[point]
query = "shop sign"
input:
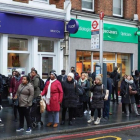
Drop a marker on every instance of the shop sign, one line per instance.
(112, 32)
(25, 25)
(73, 26)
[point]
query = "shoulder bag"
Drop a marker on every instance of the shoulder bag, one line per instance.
(106, 95)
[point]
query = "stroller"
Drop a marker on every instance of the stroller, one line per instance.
(35, 113)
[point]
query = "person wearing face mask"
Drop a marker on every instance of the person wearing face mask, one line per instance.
(54, 95)
(99, 92)
(69, 98)
(15, 82)
(128, 90)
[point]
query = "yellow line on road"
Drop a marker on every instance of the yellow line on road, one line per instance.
(115, 138)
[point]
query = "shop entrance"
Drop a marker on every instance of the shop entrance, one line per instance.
(47, 64)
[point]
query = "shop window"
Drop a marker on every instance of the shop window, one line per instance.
(88, 5)
(18, 60)
(124, 64)
(83, 61)
(118, 8)
(17, 44)
(45, 46)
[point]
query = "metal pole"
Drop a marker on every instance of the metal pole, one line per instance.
(101, 45)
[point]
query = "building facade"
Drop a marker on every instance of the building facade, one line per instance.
(30, 36)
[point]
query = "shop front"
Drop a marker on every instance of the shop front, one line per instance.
(27, 42)
(120, 48)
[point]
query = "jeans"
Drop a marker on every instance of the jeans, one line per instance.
(134, 107)
(99, 112)
(115, 89)
(106, 109)
(53, 116)
(71, 112)
(24, 112)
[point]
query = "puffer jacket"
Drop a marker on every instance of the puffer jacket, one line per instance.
(35, 81)
(25, 94)
(98, 96)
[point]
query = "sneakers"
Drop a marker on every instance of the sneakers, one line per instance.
(89, 112)
(20, 129)
(85, 112)
(97, 121)
(49, 124)
(1, 107)
(29, 130)
(55, 125)
(91, 119)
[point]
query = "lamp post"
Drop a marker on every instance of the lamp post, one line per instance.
(101, 40)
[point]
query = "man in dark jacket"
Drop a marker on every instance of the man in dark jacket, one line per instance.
(35, 81)
(116, 78)
(107, 103)
(137, 83)
(63, 77)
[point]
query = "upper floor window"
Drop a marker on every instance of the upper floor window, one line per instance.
(88, 5)
(118, 8)
(42, 1)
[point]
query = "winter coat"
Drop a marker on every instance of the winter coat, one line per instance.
(126, 97)
(59, 78)
(137, 82)
(86, 87)
(98, 96)
(25, 97)
(14, 85)
(69, 97)
(56, 95)
(1, 85)
(109, 87)
(116, 78)
(35, 81)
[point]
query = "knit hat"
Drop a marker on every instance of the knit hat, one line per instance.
(19, 71)
(53, 73)
(71, 75)
(99, 77)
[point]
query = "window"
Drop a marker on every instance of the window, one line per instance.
(118, 8)
(47, 1)
(17, 44)
(88, 5)
(45, 46)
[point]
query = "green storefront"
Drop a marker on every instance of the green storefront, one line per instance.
(120, 48)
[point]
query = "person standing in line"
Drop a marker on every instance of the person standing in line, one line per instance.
(116, 78)
(69, 98)
(137, 83)
(15, 82)
(84, 83)
(107, 103)
(129, 90)
(35, 81)
(30, 74)
(54, 95)
(99, 92)
(63, 77)
(76, 75)
(24, 95)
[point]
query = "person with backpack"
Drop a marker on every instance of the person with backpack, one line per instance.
(84, 83)
(35, 81)
(15, 82)
(69, 98)
(116, 78)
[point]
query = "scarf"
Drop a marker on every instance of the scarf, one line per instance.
(48, 96)
(129, 81)
(17, 78)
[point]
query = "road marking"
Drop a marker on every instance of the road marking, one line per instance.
(99, 132)
(100, 138)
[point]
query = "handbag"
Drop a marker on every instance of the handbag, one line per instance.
(106, 95)
(131, 92)
(42, 105)
(80, 90)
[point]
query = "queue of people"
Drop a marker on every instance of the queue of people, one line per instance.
(69, 91)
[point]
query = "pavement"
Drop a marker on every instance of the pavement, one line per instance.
(8, 132)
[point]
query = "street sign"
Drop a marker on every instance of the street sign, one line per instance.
(102, 15)
(95, 25)
(73, 26)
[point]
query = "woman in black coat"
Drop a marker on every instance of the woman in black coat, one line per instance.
(99, 92)
(127, 97)
(69, 98)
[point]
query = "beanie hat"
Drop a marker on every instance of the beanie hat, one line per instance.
(53, 73)
(19, 71)
(71, 75)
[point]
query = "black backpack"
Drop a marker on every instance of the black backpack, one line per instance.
(42, 84)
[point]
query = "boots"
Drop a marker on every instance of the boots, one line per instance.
(97, 121)
(91, 119)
